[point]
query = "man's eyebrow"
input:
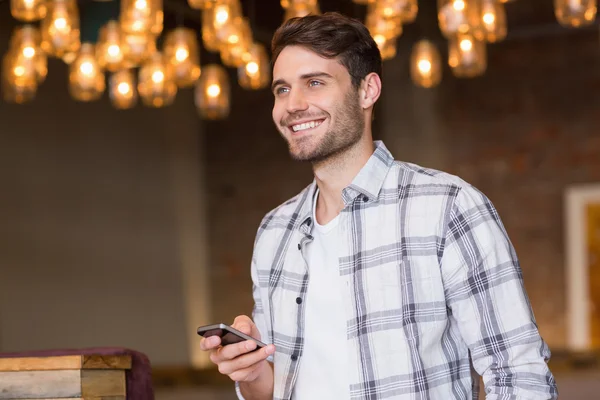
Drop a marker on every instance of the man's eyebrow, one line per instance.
(309, 75)
(277, 83)
(317, 74)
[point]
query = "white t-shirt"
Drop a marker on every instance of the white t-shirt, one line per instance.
(323, 365)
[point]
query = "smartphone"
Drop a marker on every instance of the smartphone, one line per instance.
(227, 334)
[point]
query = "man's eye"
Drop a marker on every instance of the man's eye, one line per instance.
(314, 83)
(281, 90)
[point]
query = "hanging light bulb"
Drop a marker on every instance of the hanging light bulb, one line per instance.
(19, 85)
(467, 56)
(212, 93)
(86, 79)
(384, 33)
(122, 91)
(388, 49)
(60, 28)
(140, 17)
(25, 45)
(398, 11)
(379, 26)
(460, 16)
(156, 85)
(181, 52)
(575, 13)
(236, 39)
(225, 11)
(108, 48)
(493, 20)
(217, 19)
(255, 73)
(209, 35)
(137, 49)
(28, 10)
(425, 64)
(299, 9)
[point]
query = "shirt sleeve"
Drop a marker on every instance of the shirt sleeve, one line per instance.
(487, 299)
(260, 316)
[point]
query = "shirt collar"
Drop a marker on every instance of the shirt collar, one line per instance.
(367, 182)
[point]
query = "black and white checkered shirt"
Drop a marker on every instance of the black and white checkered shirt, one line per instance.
(432, 282)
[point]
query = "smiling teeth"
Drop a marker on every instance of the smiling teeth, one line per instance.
(306, 125)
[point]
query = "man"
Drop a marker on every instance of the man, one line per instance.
(381, 279)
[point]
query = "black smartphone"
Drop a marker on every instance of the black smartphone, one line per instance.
(227, 334)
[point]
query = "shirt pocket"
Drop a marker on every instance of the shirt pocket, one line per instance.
(413, 292)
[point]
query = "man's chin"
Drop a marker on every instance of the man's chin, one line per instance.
(309, 157)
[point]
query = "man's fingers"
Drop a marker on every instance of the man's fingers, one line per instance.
(232, 351)
(229, 365)
(209, 343)
(243, 324)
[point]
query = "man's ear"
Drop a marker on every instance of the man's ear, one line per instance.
(370, 90)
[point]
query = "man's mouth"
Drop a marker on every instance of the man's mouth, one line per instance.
(306, 125)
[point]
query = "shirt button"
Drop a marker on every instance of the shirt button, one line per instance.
(298, 300)
(294, 357)
(309, 221)
(299, 247)
(365, 199)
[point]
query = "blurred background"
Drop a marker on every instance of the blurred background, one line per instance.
(138, 156)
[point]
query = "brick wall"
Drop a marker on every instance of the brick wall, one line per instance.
(521, 134)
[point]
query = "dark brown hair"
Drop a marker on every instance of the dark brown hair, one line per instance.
(332, 35)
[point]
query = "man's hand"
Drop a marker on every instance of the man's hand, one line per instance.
(237, 360)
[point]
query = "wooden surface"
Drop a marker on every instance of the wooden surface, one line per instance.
(74, 377)
(106, 362)
(65, 363)
(40, 384)
(99, 383)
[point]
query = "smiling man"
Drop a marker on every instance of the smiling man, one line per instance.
(381, 279)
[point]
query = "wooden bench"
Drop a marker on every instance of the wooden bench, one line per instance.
(85, 376)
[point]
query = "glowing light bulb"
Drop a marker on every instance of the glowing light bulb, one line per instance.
(221, 15)
(424, 66)
(388, 12)
(158, 76)
(252, 67)
(19, 70)
(113, 50)
(86, 68)
(458, 5)
(213, 90)
(141, 4)
(137, 26)
(233, 39)
(181, 54)
(489, 18)
(29, 52)
(60, 23)
(123, 88)
(379, 39)
(466, 45)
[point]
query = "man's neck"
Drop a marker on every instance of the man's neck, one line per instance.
(334, 174)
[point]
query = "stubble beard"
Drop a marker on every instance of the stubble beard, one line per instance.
(346, 133)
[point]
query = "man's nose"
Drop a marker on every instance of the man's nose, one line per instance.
(296, 101)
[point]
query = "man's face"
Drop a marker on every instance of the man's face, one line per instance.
(316, 108)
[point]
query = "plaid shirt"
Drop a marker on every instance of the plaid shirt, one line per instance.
(433, 286)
